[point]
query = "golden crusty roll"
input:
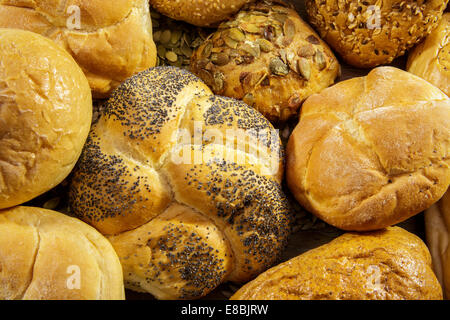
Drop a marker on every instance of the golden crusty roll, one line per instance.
(430, 60)
(187, 201)
(390, 264)
(370, 33)
(45, 115)
(373, 151)
(45, 255)
(437, 227)
(202, 13)
(268, 57)
(110, 39)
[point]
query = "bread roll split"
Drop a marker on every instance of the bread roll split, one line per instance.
(371, 152)
(182, 226)
(45, 255)
(110, 39)
(45, 115)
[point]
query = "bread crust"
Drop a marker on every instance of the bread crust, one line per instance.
(141, 183)
(390, 264)
(437, 227)
(113, 42)
(251, 73)
(202, 13)
(430, 60)
(371, 152)
(45, 115)
(370, 33)
(40, 250)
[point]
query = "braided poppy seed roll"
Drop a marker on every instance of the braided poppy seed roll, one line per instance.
(184, 214)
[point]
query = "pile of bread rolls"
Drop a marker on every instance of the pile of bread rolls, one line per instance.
(177, 186)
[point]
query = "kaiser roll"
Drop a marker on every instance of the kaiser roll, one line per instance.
(45, 255)
(430, 60)
(268, 57)
(45, 115)
(373, 32)
(187, 204)
(372, 151)
(391, 264)
(437, 226)
(202, 13)
(110, 39)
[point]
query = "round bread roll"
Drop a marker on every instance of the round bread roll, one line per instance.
(268, 57)
(430, 60)
(391, 264)
(369, 33)
(110, 39)
(202, 13)
(187, 200)
(372, 151)
(45, 115)
(437, 226)
(45, 255)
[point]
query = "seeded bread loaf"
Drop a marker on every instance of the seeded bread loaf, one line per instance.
(202, 13)
(373, 151)
(45, 115)
(390, 264)
(186, 204)
(267, 57)
(430, 60)
(110, 39)
(371, 33)
(45, 255)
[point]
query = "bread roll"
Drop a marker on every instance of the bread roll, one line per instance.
(430, 60)
(370, 33)
(268, 57)
(110, 39)
(202, 13)
(437, 226)
(372, 151)
(391, 264)
(45, 115)
(46, 255)
(184, 208)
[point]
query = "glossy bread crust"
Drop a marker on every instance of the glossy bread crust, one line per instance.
(370, 152)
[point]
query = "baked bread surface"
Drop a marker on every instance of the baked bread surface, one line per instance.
(430, 60)
(370, 33)
(110, 39)
(268, 57)
(183, 214)
(370, 152)
(390, 264)
(45, 115)
(45, 255)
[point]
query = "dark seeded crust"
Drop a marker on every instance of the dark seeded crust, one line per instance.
(181, 229)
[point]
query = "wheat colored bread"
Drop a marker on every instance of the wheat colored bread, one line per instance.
(390, 264)
(45, 115)
(202, 13)
(370, 152)
(182, 226)
(430, 60)
(45, 255)
(437, 227)
(112, 42)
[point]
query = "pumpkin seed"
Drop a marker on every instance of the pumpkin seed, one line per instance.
(176, 36)
(280, 17)
(236, 34)
(289, 31)
(304, 68)
(320, 60)
(171, 56)
(306, 51)
(220, 59)
(252, 48)
(156, 36)
(250, 27)
(218, 81)
(206, 52)
(52, 203)
(312, 39)
(266, 46)
(161, 51)
(278, 67)
(165, 36)
(249, 99)
(230, 42)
